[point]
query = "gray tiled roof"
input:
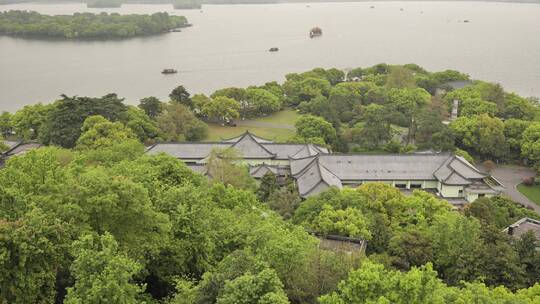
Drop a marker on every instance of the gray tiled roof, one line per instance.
(297, 165)
(260, 171)
(250, 148)
(457, 171)
(314, 178)
(249, 145)
(186, 150)
(237, 138)
(10, 144)
(481, 187)
(383, 167)
(308, 150)
(337, 168)
(20, 147)
(523, 226)
(199, 169)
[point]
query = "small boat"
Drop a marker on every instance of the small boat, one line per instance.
(315, 32)
(466, 21)
(372, 6)
(176, 30)
(169, 71)
(274, 49)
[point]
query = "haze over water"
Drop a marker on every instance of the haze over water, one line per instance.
(228, 46)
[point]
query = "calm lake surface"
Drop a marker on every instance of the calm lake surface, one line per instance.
(228, 46)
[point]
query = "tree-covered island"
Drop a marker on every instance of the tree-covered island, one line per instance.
(86, 25)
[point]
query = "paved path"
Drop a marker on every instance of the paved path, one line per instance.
(511, 176)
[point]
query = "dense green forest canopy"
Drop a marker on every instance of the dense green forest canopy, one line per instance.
(90, 217)
(86, 25)
(104, 221)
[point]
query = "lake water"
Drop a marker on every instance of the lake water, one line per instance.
(228, 46)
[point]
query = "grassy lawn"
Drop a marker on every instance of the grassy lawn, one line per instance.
(286, 118)
(532, 192)
(217, 132)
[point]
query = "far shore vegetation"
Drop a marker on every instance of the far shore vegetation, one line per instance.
(86, 25)
(104, 3)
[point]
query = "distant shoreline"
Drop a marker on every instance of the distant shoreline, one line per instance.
(238, 2)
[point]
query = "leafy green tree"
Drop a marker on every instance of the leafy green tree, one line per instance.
(262, 288)
(431, 133)
(481, 134)
(199, 101)
(285, 200)
(500, 262)
(237, 94)
(274, 88)
(465, 155)
(412, 247)
(98, 133)
(348, 222)
(375, 130)
(529, 257)
(28, 122)
(152, 106)
(513, 132)
(477, 106)
(141, 124)
(498, 211)
(315, 129)
(299, 89)
(373, 284)
(223, 167)
(456, 242)
(355, 73)
(178, 123)
(123, 208)
(102, 273)
(3, 146)
(334, 76)
(63, 126)
(6, 124)
(400, 77)
(408, 102)
(222, 109)
(321, 106)
(32, 253)
(181, 95)
(530, 146)
(517, 107)
(267, 187)
(261, 102)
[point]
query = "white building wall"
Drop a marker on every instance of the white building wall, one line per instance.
(450, 191)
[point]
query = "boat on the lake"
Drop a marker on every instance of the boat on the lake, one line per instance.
(274, 49)
(176, 30)
(315, 32)
(169, 71)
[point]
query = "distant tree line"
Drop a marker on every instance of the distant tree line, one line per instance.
(86, 25)
(104, 3)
